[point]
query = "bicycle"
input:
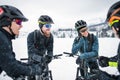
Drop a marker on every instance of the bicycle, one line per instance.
(86, 75)
(46, 74)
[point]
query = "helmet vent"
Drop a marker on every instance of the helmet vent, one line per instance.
(1, 11)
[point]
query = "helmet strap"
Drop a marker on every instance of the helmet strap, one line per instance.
(40, 26)
(11, 31)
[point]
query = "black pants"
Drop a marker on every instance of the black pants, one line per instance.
(105, 76)
(93, 67)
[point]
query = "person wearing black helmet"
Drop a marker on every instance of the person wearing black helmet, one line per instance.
(113, 20)
(40, 42)
(87, 45)
(11, 20)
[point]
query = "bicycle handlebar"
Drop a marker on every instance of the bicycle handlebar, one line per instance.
(57, 56)
(54, 57)
(69, 54)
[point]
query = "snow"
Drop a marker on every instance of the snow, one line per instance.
(65, 68)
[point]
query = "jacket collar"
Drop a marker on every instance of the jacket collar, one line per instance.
(7, 34)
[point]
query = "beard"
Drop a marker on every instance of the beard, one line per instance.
(47, 33)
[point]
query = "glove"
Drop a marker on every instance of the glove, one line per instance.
(103, 61)
(78, 60)
(36, 59)
(36, 69)
(48, 58)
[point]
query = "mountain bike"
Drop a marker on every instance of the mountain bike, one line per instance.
(83, 70)
(46, 73)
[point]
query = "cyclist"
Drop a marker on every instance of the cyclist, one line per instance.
(87, 45)
(113, 19)
(41, 44)
(11, 20)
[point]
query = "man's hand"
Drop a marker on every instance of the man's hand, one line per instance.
(36, 59)
(103, 61)
(48, 59)
(78, 60)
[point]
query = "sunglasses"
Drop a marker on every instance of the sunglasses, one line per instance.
(48, 25)
(18, 21)
(83, 30)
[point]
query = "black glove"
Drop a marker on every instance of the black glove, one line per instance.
(103, 61)
(48, 58)
(78, 60)
(36, 59)
(36, 69)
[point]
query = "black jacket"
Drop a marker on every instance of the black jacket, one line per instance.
(8, 62)
(41, 46)
(116, 58)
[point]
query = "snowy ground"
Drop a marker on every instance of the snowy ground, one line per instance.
(65, 68)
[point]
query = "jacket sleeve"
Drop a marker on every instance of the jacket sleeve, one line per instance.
(94, 52)
(50, 46)
(8, 63)
(78, 42)
(30, 45)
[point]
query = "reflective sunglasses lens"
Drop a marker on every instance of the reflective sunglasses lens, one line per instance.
(48, 26)
(18, 21)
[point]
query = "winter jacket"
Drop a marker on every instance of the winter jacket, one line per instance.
(8, 62)
(42, 46)
(116, 58)
(82, 44)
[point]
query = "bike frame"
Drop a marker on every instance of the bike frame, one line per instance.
(82, 66)
(46, 72)
(41, 77)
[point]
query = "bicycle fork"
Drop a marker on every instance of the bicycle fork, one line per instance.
(82, 71)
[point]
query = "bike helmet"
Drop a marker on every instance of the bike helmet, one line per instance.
(8, 13)
(45, 19)
(80, 24)
(11, 12)
(113, 11)
(113, 17)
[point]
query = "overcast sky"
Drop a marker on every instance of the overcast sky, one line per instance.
(63, 12)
